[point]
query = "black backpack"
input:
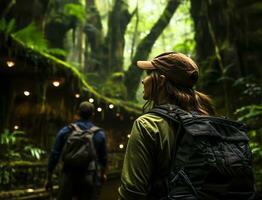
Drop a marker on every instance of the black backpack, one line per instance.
(212, 159)
(79, 151)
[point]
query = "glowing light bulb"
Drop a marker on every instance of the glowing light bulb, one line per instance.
(121, 146)
(30, 190)
(99, 109)
(16, 127)
(128, 135)
(10, 63)
(56, 83)
(77, 95)
(117, 114)
(91, 100)
(111, 106)
(26, 93)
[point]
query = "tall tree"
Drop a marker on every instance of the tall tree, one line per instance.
(24, 12)
(133, 75)
(109, 49)
(58, 22)
(94, 39)
(225, 49)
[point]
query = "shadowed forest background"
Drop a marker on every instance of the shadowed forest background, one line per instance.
(55, 53)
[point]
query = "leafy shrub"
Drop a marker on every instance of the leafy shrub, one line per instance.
(252, 116)
(32, 37)
(15, 146)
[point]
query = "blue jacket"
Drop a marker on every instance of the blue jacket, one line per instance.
(98, 139)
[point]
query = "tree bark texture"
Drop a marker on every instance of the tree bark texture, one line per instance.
(113, 47)
(57, 23)
(24, 12)
(229, 45)
(94, 38)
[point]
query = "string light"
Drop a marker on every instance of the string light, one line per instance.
(99, 109)
(10, 63)
(91, 100)
(128, 135)
(30, 190)
(16, 127)
(117, 114)
(77, 95)
(26, 93)
(121, 146)
(56, 83)
(111, 106)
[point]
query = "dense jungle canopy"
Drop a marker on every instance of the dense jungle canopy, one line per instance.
(103, 39)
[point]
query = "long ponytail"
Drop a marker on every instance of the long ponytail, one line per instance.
(204, 103)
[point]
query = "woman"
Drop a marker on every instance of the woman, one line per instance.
(170, 80)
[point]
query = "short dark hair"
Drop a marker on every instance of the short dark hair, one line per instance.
(86, 109)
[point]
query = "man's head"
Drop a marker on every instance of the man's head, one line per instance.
(176, 67)
(85, 110)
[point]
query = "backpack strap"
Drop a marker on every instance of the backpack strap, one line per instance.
(169, 111)
(94, 129)
(75, 127)
(173, 111)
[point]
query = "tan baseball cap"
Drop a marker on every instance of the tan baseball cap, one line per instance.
(177, 67)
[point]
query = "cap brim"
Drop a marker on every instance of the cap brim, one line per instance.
(145, 65)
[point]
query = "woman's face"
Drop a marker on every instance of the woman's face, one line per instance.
(147, 83)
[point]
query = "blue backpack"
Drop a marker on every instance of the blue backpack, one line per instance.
(211, 159)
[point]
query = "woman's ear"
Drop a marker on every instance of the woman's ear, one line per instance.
(162, 80)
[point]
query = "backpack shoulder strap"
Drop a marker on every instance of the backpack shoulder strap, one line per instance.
(171, 112)
(174, 114)
(94, 129)
(74, 127)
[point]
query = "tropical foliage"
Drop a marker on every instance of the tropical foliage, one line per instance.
(252, 115)
(16, 146)
(102, 40)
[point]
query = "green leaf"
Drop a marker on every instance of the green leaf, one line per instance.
(249, 112)
(75, 10)
(32, 37)
(2, 25)
(10, 26)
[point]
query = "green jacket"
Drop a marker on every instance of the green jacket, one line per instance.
(147, 157)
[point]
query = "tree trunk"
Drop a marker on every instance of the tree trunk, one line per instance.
(57, 24)
(225, 49)
(114, 43)
(133, 75)
(24, 12)
(94, 38)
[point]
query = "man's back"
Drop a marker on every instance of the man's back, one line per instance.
(79, 182)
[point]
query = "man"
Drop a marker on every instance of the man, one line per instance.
(80, 183)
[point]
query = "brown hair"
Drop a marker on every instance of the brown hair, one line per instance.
(186, 98)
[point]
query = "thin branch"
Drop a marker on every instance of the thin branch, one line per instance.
(135, 31)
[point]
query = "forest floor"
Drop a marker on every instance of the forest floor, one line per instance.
(109, 190)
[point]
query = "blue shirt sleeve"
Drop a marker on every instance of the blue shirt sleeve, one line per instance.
(57, 148)
(101, 149)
